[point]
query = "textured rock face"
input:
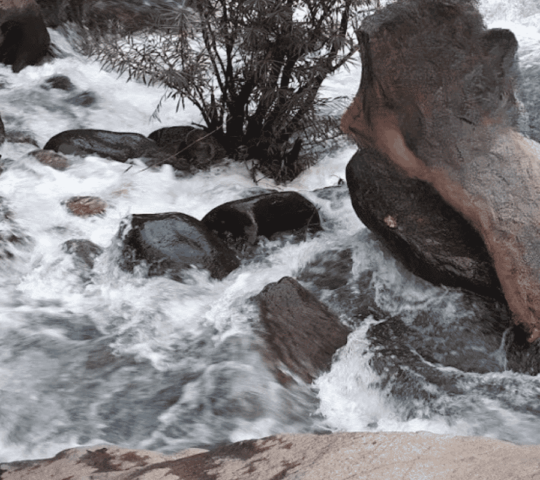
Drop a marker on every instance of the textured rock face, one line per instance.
(24, 39)
(437, 100)
(241, 222)
(418, 227)
(299, 331)
(341, 456)
(170, 243)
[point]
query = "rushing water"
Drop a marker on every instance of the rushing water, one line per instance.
(106, 356)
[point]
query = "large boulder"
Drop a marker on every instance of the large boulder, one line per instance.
(119, 146)
(24, 39)
(339, 456)
(239, 223)
(299, 331)
(170, 243)
(418, 227)
(437, 100)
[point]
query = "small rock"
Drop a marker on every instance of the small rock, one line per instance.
(51, 159)
(84, 251)
(86, 206)
(84, 99)
(60, 82)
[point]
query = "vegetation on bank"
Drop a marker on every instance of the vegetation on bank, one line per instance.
(253, 68)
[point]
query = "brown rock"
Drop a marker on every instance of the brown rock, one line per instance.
(51, 159)
(299, 330)
(340, 456)
(86, 206)
(437, 100)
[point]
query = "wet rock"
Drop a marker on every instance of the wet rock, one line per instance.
(51, 159)
(411, 219)
(437, 98)
(202, 149)
(24, 37)
(114, 145)
(195, 145)
(171, 138)
(84, 99)
(241, 222)
(170, 243)
(299, 330)
(84, 251)
(86, 206)
(60, 82)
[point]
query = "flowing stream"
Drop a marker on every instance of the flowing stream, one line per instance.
(105, 356)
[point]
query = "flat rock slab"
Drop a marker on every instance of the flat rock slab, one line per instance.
(340, 456)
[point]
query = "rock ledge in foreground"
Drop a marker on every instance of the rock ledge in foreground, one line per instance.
(340, 456)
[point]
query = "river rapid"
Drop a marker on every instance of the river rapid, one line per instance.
(107, 356)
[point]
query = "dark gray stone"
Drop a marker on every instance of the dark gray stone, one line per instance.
(241, 222)
(429, 237)
(169, 243)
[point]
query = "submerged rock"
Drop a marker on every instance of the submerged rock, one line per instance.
(170, 243)
(60, 82)
(299, 330)
(241, 222)
(86, 206)
(24, 39)
(83, 99)
(51, 159)
(418, 227)
(84, 251)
